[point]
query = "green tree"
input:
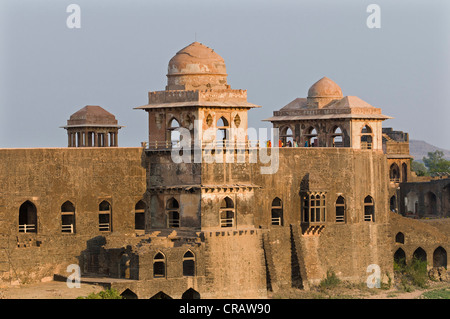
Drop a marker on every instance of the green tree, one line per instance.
(436, 162)
(419, 168)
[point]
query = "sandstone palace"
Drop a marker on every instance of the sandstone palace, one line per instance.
(341, 195)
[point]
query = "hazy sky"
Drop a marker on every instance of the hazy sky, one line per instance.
(274, 49)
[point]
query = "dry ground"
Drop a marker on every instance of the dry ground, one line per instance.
(351, 291)
(48, 290)
(59, 290)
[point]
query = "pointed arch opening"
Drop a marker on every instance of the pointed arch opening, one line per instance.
(189, 264)
(174, 132)
(27, 218)
(159, 265)
(400, 257)
(366, 138)
(340, 209)
(440, 257)
(128, 294)
(68, 218)
(161, 295)
(104, 217)
(394, 173)
(173, 213)
(277, 212)
(420, 254)
(400, 238)
(191, 294)
(337, 137)
(222, 132)
(227, 212)
(369, 209)
(287, 136)
(311, 137)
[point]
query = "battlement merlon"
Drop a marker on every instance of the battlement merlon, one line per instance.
(197, 98)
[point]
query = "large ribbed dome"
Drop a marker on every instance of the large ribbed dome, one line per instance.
(196, 67)
(325, 88)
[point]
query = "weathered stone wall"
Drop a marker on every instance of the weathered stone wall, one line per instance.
(48, 178)
(425, 234)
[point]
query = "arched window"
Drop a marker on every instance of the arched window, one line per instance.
(394, 173)
(159, 265)
(173, 213)
(287, 136)
(340, 210)
(68, 218)
(277, 212)
(226, 213)
(337, 137)
(440, 257)
(139, 215)
(369, 209)
(366, 138)
(222, 132)
(313, 207)
(311, 137)
(189, 264)
(174, 132)
(27, 218)
(400, 238)
(104, 216)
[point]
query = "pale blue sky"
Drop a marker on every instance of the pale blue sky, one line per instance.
(274, 49)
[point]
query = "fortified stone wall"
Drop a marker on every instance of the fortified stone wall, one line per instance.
(48, 178)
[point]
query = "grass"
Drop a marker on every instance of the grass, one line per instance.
(443, 293)
(105, 294)
(412, 275)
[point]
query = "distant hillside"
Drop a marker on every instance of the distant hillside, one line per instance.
(420, 149)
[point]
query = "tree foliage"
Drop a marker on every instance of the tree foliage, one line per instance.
(436, 163)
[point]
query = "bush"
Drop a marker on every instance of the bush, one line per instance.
(412, 274)
(105, 294)
(331, 281)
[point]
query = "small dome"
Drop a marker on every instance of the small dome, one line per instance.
(92, 115)
(197, 58)
(196, 67)
(325, 88)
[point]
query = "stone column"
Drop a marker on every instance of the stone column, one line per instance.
(95, 139)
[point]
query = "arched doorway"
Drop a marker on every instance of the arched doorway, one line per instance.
(161, 295)
(400, 257)
(128, 294)
(440, 257)
(420, 254)
(190, 294)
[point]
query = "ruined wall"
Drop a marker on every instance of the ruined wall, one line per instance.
(48, 178)
(425, 234)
